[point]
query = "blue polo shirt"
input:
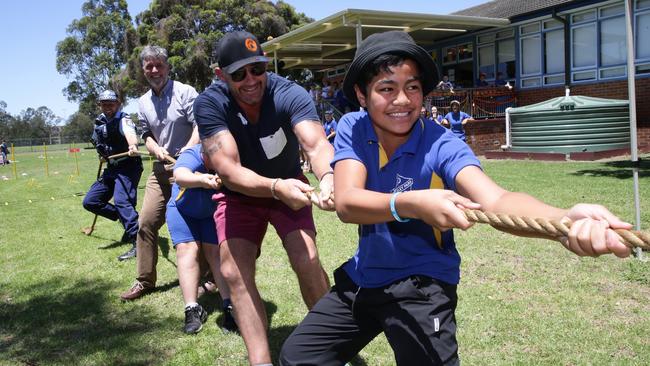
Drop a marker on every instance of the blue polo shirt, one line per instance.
(431, 158)
(330, 127)
(194, 202)
(456, 123)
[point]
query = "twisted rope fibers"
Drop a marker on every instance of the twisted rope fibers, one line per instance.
(554, 228)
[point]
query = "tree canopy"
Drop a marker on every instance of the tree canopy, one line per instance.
(189, 29)
(102, 48)
(96, 48)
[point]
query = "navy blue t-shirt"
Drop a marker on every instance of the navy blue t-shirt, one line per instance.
(268, 147)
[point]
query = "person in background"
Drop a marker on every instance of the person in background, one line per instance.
(481, 80)
(114, 133)
(435, 116)
(194, 235)
(167, 120)
(498, 81)
(329, 125)
(402, 279)
(445, 84)
(251, 124)
(4, 150)
(456, 120)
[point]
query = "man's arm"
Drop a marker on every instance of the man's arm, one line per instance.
(222, 151)
(313, 141)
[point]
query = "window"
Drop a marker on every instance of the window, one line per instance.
(531, 55)
(506, 59)
(554, 56)
(584, 16)
(584, 75)
(449, 54)
(486, 61)
(643, 35)
(613, 72)
(642, 4)
(612, 10)
(529, 28)
(465, 52)
(584, 46)
(613, 50)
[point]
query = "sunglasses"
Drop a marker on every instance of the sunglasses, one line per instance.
(240, 74)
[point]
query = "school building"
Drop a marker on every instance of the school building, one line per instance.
(525, 51)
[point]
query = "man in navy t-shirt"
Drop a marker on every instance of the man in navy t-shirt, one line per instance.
(251, 124)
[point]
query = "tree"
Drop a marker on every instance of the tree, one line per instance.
(96, 48)
(188, 29)
(78, 128)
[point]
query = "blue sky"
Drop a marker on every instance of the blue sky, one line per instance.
(30, 30)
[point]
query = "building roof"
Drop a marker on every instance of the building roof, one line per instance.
(333, 40)
(509, 9)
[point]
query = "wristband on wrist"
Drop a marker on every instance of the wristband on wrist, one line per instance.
(393, 211)
(324, 174)
(273, 189)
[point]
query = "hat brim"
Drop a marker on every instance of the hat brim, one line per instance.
(241, 63)
(428, 69)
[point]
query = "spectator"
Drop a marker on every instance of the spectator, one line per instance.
(402, 280)
(481, 80)
(456, 120)
(194, 235)
(251, 124)
(4, 150)
(435, 116)
(114, 133)
(167, 120)
(445, 84)
(498, 81)
(329, 125)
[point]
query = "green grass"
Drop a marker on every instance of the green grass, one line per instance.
(521, 301)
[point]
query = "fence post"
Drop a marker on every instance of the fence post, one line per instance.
(13, 160)
(76, 160)
(47, 167)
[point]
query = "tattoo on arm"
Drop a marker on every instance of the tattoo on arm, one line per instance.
(214, 143)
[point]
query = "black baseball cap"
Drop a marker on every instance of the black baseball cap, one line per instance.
(237, 49)
(395, 42)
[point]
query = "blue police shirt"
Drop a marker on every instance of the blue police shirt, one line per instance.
(268, 147)
(456, 122)
(193, 202)
(430, 158)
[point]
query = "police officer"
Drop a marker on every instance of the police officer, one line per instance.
(114, 133)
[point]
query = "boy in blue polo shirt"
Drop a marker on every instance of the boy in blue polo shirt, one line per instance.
(405, 182)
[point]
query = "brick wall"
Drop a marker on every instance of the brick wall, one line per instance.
(486, 135)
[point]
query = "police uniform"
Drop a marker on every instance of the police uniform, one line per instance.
(120, 178)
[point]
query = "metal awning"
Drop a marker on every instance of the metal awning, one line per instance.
(333, 40)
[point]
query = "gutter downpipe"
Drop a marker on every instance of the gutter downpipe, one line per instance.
(508, 144)
(567, 50)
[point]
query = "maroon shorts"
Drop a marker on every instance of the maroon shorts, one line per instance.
(245, 217)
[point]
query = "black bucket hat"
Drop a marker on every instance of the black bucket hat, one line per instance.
(396, 42)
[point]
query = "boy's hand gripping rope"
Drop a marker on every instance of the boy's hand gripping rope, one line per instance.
(554, 228)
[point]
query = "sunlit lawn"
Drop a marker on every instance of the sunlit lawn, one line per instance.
(522, 301)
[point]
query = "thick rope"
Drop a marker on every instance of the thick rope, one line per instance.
(554, 228)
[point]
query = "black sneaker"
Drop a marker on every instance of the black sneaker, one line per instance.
(229, 324)
(129, 254)
(194, 319)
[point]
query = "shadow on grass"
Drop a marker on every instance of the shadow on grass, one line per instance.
(67, 323)
(617, 169)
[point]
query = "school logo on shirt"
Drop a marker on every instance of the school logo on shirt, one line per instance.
(402, 184)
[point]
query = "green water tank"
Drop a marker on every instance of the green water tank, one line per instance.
(571, 124)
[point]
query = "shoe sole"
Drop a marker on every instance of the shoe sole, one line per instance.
(190, 333)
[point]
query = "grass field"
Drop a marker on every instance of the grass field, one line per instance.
(521, 301)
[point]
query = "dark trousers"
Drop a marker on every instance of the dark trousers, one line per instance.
(120, 183)
(415, 313)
